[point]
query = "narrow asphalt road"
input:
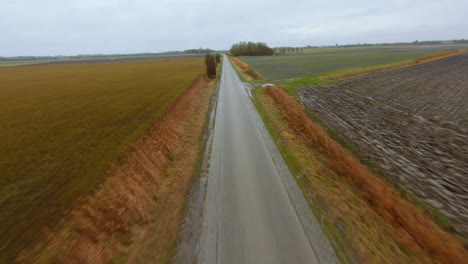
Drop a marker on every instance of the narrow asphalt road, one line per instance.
(248, 215)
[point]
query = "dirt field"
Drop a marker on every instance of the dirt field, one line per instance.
(412, 124)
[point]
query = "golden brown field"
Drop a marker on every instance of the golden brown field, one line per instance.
(62, 128)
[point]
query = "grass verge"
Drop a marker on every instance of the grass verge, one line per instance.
(356, 232)
(390, 228)
(202, 143)
(244, 71)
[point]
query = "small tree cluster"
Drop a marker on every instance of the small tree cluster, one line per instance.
(286, 50)
(211, 64)
(218, 58)
(250, 49)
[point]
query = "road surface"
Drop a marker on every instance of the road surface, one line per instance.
(248, 216)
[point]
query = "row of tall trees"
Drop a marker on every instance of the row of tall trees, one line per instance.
(251, 49)
(286, 50)
(211, 63)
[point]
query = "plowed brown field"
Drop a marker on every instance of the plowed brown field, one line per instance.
(412, 124)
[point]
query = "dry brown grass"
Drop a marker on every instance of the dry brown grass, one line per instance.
(245, 68)
(405, 217)
(356, 230)
(438, 56)
(137, 210)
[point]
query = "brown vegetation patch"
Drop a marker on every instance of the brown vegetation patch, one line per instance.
(380, 195)
(358, 233)
(438, 56)
(245, 68)
(136, 212)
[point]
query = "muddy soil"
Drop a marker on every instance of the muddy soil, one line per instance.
(412, 124)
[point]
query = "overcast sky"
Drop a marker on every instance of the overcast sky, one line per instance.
(68, 27)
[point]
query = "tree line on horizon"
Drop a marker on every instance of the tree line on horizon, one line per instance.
(285, 50)
(261, 49)
(251, 49)
(199, 50)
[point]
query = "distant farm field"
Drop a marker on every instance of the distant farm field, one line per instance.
(321, 60)
(9, 62)
(62, 126)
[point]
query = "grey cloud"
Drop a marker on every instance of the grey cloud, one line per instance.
(51, 27)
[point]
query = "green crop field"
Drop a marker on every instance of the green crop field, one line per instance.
(321, 60)
(11, 63)
(62, 126)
